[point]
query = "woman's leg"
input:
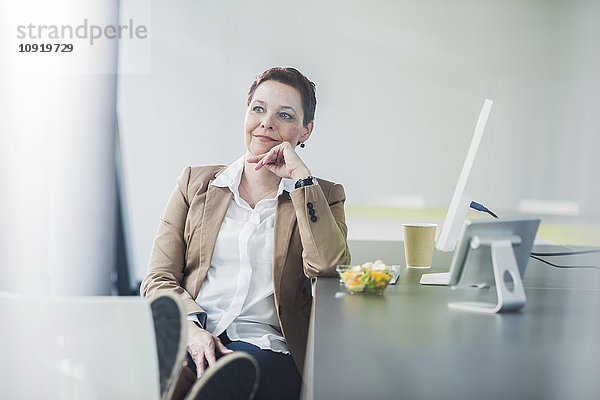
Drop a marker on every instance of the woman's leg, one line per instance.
(279, 377)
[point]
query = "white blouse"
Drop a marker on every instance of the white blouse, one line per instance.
(238, 292)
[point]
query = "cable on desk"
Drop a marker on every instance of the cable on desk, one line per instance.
(536, 255)
(565, 253)
(564, 266)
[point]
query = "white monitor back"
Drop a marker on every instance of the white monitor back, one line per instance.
(460, 200)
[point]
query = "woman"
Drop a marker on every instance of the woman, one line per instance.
(239, 243)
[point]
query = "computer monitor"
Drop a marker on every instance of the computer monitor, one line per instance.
(493, 253)
(461, 200)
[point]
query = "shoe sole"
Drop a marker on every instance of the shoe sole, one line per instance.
(169, 329)
(233, 377)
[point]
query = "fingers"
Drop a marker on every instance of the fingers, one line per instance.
(204, 359)
(281, 160)
(197, 357)
(270, 157)
(274, 157)
(200, 366)
(222, 348)
(202, 346)
(255, 159)
(210, 356)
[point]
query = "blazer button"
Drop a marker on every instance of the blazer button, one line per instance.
(280, 310)
(311, 211)
(313, 218)
(309, 205)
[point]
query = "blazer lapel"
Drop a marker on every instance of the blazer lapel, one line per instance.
(215, 207)
(285, 217)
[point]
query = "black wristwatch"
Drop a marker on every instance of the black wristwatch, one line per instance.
(311, 180)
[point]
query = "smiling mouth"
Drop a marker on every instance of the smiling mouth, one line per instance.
(265, 138)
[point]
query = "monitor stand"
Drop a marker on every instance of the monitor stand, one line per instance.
(505, 270)
(436, 278)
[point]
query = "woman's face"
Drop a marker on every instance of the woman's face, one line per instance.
(274, 116)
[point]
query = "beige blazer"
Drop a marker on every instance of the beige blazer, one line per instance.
(304, 247)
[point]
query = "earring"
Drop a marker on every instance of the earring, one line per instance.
(301, 144)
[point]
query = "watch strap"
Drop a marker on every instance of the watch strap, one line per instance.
(310, 180)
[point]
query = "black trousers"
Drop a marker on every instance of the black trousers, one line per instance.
(279, 377)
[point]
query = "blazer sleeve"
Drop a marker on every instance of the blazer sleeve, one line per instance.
(323, 232)
(167, 258)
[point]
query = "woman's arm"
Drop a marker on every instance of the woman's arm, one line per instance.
(324, 238)
(167, 259)
(165, 272)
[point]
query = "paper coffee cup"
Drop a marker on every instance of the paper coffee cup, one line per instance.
(419, 240)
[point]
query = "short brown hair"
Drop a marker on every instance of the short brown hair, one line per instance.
(294, 78)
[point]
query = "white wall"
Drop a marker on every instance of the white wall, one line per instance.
(399, 87)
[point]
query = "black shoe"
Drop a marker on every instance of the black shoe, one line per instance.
(233, 377)
(170, 332)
